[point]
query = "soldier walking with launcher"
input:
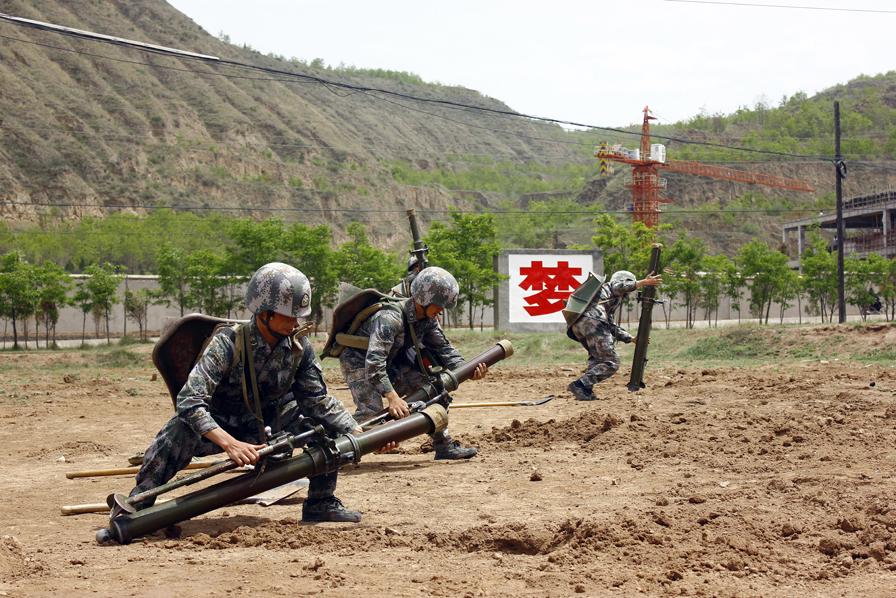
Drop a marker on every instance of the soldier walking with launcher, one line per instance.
(251, 376)
(590, 314)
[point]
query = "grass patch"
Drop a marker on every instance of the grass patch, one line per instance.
(736, 343)
(879, 355)
(118, 357)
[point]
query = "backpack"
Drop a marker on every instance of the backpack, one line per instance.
(350, 315)
(580, 299)
(181, 345)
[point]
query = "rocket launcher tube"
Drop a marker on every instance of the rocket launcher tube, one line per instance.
(434, 391)
(420, 249)
(315, 460)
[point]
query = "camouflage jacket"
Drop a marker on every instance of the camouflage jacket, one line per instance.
(605, 305)
(390, 341)
(214, 389)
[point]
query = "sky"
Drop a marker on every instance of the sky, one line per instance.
(597, 63)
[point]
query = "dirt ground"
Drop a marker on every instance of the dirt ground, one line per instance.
(773, 480)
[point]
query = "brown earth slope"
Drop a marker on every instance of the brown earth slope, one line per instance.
(87, 123)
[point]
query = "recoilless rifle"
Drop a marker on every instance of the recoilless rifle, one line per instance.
(647, 299)
(321, 454)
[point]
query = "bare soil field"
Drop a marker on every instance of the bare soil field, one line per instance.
(772, 479)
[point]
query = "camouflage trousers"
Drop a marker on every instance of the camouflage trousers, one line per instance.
(176, 444)
(368, 401)
(603, 361)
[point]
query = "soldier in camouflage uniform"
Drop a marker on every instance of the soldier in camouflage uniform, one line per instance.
(388, 369)
(213, 415)
(403, 288)
(598, 332)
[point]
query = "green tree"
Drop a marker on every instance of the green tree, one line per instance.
(788, 287)
(623, 246)
(684, 263)
(883, 275)
(18, 293)
(54, 285)
(101, 287)
(819, 277)
(253, 244)
(467, 248)
(208, 284)
(859, 284)
(540, 226)
(765, 270)
(309, 249)
(733, 282)
(84, 302)
(173, 285)
(713, 284)
(361, 264)
(136, 307)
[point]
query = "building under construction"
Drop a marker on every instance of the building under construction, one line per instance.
(869, 223)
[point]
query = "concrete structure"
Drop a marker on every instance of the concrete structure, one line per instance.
(869, 222)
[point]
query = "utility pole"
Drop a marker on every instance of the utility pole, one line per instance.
(840, 168)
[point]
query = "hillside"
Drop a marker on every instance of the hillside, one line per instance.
(90, 129)
(80, 129)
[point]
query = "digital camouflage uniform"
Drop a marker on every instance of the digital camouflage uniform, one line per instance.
(390, 360)
(598, 332)
(290, 382)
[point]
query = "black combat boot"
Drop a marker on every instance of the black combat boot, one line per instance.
(581, 392)
(446, 448)
(328, 509)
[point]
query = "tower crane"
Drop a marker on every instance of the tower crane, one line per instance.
(649, 159)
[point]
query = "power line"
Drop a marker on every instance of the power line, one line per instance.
(451, 104)
(795, 7)
(401, 210)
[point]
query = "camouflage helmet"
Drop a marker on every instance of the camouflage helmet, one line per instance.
(623, 276)
(435, 285)
(280, 288)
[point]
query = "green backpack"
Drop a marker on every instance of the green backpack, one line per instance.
(350, 314)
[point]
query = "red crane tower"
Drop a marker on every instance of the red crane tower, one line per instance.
(646, 184)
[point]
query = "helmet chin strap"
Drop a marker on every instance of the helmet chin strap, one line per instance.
(266, 320)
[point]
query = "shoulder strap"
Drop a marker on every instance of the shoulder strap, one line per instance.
(418, 350)
(356, 341)
(242, 347)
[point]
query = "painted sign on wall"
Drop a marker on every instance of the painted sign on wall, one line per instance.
(540, 284)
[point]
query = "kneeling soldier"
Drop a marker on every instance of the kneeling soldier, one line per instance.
(596, 329)
(217, 409)
(392, 367)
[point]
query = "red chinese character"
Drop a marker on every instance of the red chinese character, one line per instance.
(555, 285)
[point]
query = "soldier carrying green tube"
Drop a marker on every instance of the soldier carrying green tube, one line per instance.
(590, 319)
